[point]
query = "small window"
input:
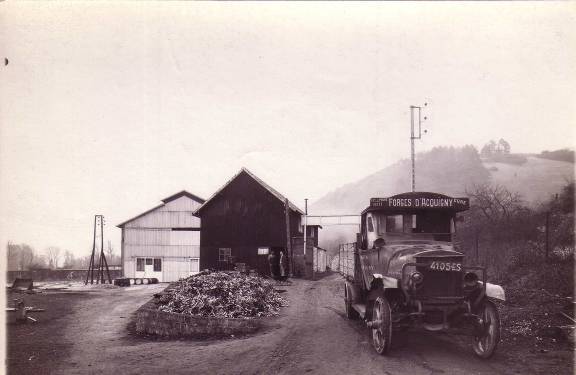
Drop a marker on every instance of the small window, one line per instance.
(394, 224)
(224, 254)
(370, 224)
(157, 265)
(148, 261)
(140, 264)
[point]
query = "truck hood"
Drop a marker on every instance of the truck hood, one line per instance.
(406, 253)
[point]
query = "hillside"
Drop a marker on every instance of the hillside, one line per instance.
(536, 180)
(450, 170)
(443, 169)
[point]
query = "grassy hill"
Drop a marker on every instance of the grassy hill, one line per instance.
(448, 170)
(451, 171)
(443, 169)
(536, 180)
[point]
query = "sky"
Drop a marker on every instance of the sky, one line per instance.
(108, 108)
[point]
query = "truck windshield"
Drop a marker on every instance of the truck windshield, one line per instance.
(422, 222)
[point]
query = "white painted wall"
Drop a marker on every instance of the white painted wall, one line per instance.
(152, 236)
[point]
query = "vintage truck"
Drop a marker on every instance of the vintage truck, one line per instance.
(404, 272)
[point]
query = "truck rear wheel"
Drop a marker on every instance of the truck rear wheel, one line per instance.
(381, 326)
(487, 340)
(350, 312)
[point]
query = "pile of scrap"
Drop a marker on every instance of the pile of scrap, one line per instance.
(222, 295)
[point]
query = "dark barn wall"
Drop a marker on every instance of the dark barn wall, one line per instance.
(243, 216)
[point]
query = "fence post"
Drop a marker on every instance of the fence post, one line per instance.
(477, 254)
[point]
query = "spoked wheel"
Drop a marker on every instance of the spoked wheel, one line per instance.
(487, 339)
(381, 326)
(350, 312)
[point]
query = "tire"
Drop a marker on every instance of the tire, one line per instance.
(350, 312)
(381, 332)
(485, 345)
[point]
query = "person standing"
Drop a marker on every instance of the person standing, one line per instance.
(283, 265)
(273, 262)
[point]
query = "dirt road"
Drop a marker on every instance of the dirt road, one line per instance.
(312, 335)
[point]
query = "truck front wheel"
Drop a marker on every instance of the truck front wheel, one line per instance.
(381, 326)
(487, 338)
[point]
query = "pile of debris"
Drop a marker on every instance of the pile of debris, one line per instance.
(222, 295)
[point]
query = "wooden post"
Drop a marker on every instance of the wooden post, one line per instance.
(477, 255)
(288, 239)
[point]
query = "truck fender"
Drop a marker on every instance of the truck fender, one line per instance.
(495, 291)
(387, 282)
(353, 292)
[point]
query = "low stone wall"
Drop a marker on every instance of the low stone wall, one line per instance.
(57, 275)
(150, 320)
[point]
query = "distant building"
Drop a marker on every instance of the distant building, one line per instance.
(244, 222)
(163, 242)
(315, 259)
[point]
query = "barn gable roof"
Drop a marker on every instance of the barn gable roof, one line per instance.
(182, 193)
(274, 192)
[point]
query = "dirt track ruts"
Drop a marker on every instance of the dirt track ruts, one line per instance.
(312, 335)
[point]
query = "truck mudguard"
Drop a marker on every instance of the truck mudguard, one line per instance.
(387, 282)
(495, 291)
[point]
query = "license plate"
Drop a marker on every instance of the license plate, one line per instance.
(446, 266)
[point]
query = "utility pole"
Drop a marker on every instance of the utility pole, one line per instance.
(305, 230)
(288, 238)
(414, 109)
(98, 233)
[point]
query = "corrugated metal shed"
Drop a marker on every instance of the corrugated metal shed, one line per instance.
(163, 242)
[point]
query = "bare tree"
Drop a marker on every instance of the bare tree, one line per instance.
(494, 202)
(53, 255)
(68, 259)
(109, 252)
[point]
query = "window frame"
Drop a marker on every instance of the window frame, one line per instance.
(140, 264)
(224, 254)
(157, 261)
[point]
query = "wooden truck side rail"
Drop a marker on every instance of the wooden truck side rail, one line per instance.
(346, 260)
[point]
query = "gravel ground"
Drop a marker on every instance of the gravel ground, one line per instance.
(89, 332)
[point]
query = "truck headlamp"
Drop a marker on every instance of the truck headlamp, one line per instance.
(470, 279)
(417, 278)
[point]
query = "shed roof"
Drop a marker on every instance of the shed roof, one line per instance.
(182, 193)
(274, 192)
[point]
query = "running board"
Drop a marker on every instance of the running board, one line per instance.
(360, 308)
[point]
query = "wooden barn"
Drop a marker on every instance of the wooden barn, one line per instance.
(163, 242)
(245, 221)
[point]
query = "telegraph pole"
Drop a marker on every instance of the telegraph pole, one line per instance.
(98, 234)
(413, 117)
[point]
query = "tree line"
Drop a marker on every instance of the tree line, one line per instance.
(23, 257)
